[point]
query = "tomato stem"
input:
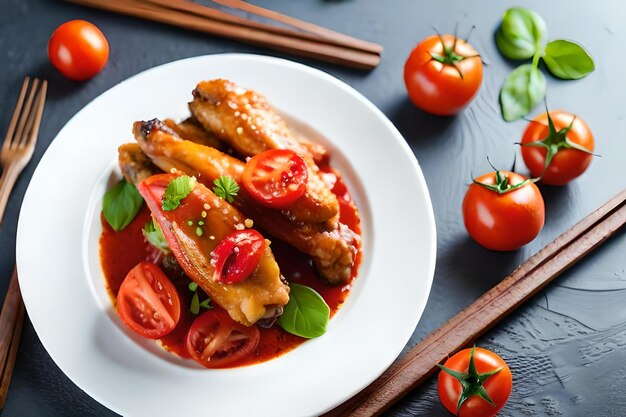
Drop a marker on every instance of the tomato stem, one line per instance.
(555, 141)
(471, 381)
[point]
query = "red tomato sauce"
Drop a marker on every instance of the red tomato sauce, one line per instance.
(121, 251)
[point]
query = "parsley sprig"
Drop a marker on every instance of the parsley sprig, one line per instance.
(226, 188)
(178, 188)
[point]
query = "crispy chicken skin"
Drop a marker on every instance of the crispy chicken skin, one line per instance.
(258, 296)
(246, 121)
(191, 130)
(332, 245)
(134, 164)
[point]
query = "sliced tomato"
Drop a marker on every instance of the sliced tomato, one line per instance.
(215, 340)
(147, 301)
(276, 178)
(236, 257)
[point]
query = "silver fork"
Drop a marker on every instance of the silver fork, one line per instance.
(16, 152)
(19, 143)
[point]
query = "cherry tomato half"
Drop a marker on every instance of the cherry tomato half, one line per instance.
(498, 386)
(236, 257)
(567, 163)
(432, 74)
(147, 301)
(506, 221)
(276, 178)
(78, 49)
(215, 340)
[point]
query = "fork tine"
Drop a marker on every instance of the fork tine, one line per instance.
(16, 114)
(26, 111)
(32, 126)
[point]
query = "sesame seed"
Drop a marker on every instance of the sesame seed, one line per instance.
(203, 214)
(239, 130)
(206, 206)
(239, 226)
(212, 237)
(173, 170)
(249, 223)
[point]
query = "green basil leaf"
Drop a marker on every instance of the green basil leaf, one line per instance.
(306, 314)
(177, 189)
(154, 235)
(121, 204)
(521, 32)
(521, 91)
(568, 60)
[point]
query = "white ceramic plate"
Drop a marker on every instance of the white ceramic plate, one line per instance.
(63, 286)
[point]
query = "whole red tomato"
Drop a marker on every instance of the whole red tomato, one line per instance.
(488, 379)
(443, 74)
(568, 136)
(503, 211)
(78, 50)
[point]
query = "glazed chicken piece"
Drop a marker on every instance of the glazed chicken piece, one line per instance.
(246, 121)
(259, 296)
(332, 245)
(134, 164)
(191, 130)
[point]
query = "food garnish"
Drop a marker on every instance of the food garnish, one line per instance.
(226, 188)
(147, 301)
(236, 257)
(121, 204)
(154, 235)
(215, 340)
(474, 383)
(306, 314)
(179, 188)
(521, 35)
(195, 305)
(276, 178)
(557, 156)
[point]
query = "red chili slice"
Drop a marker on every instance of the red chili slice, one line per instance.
(237, 256)
(276, 178)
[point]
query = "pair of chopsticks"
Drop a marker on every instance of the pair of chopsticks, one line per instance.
(302, 38)
(464, 328)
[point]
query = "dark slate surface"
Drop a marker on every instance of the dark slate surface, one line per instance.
(566, 347)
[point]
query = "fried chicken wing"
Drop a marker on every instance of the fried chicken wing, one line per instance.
(258, 296)
(191, 130)
(332, 245)
(247, 122)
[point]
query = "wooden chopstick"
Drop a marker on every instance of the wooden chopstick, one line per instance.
(7, 372)
(311, 32)
(460, 331)
(10, 327)
(324, 33)
(298, 46)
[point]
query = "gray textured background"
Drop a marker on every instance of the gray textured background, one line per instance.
(566, 347)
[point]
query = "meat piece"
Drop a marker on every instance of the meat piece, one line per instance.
(134, 164)
(332, 245)
(190, 129)
(260, 295)
(247, 122)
